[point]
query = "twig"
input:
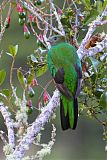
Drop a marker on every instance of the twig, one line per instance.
(92, 28)
(3, 27)
(94, 115)
(60, 26)
(30, 8)
(2, 137)
(9, 124)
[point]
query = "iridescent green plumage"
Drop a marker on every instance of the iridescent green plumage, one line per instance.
(65, 67)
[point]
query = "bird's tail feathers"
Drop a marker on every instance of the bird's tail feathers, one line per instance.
(68, 113)
(64, 119)
(75, 106)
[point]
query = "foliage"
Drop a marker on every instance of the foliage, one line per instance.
(2, 76)
(70, 20)
(93, 97)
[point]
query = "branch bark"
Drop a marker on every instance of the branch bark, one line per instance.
(93, 50)
(36, 126)
(98, 22)
(9, 124)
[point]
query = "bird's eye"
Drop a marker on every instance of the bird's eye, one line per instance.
(55, 38)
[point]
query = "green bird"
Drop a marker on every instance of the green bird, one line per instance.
(65, 67)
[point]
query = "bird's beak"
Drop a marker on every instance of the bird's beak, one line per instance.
(49, 40)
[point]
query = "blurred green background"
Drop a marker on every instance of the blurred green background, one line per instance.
(86, 142)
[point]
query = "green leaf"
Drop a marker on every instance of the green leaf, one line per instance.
(13, 50)
(103, 100)
(91, 16)
(21, 78)
(41, 70)
(7, 92)
(104, 5)
(99, 6)
(2, 76)
(95, 63)
(86, 3)
(30, 78)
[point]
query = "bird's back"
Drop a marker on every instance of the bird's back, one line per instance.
(65, 51)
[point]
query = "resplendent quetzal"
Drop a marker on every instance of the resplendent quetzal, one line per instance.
(65, 67)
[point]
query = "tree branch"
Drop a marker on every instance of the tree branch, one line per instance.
(9, 124)
(98, 22)
(30, 8)
(93, 50)
(60, 26)
(36, 126)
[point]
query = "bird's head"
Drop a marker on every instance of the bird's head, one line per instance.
(54, 40)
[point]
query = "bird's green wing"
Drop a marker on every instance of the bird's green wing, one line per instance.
(51, 65)
(79, 74)
(58, 76)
